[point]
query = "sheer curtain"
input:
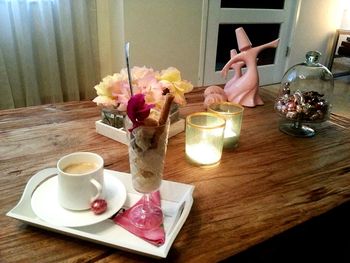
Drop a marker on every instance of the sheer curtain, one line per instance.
(48, 51)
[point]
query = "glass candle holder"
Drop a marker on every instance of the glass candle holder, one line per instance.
(204, 138)
(233, 114)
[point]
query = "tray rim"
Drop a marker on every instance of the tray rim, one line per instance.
(158, 252)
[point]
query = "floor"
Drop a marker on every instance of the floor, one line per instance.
(341, 97)
(322, 239)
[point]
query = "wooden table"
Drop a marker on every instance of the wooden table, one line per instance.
(271, 183)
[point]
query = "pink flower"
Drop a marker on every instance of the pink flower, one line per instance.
(137, 110)
(114, 91)
(121, 94)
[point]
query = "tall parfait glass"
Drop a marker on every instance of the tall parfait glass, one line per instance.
(147, 149)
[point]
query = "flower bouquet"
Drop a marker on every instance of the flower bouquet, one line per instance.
(113, 94)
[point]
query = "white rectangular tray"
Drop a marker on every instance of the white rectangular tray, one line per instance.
(119, 135)
(176, 201)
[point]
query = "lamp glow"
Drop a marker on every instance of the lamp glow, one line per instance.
(345, 22)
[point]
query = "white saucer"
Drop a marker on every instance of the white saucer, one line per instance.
(45, 204)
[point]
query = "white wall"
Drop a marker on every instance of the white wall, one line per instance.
(316, 24)
(166, 33)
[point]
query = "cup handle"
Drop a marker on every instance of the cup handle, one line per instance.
(98, 188)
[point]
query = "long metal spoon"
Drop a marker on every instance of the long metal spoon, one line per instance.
(127, 55)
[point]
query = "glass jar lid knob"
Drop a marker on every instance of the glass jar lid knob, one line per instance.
(312, 57)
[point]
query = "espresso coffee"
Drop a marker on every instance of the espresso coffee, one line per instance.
(80, 168)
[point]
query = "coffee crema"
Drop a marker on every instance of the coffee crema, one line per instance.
(80, 168)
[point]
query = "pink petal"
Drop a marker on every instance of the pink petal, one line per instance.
(137, 110)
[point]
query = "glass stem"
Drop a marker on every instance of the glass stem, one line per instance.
(297, 123)
(146, 205)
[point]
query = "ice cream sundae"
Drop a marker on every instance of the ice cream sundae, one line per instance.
(148, 135)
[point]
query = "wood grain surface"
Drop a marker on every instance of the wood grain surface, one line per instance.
(270, 183)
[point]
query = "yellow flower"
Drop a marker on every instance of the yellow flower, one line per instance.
(107, 90)
(105, 101)
(170, 74)
(171, 79)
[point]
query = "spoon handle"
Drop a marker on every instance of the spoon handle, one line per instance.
(127, 55)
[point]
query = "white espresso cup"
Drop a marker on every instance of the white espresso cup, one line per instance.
(80, 180)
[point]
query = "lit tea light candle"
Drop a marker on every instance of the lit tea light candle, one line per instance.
(204, 138)
(233, 114)
(230, 136)
(203, 153)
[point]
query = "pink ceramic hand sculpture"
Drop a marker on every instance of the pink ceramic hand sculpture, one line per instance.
(237, 67)
(243, 89)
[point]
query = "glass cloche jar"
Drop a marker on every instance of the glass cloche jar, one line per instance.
(304, 96)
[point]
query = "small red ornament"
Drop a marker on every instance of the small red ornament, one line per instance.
(99, 206)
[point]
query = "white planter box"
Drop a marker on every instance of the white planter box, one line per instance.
(120, 135)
